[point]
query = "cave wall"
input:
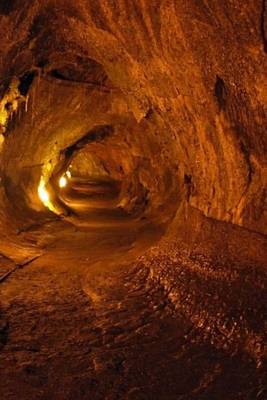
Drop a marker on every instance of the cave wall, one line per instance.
(184, 81)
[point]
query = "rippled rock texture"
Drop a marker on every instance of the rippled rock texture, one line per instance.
(168, 99)
(181, 83)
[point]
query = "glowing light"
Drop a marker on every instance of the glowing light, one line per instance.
(43, 193)
(68, 173)
(62, 182)
(2, 139)
(45, 197)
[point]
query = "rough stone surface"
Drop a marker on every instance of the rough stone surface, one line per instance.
(167, 99)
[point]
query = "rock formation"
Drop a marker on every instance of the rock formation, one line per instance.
(165, 102)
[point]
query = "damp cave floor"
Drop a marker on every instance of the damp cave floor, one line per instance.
(82, 321)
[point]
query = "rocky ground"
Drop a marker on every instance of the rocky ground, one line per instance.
(83, 321)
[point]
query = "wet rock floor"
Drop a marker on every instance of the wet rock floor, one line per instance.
(84, 322)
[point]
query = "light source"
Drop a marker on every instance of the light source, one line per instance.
(62, 182)
(43, 193)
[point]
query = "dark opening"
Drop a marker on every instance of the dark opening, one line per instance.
(7, 6)
(26, 81)
(85, 70)
(187, 179)
(220, 92)
(58, 75)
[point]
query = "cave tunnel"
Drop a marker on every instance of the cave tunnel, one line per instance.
(133, 211)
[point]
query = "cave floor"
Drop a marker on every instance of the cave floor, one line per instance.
(82, 321)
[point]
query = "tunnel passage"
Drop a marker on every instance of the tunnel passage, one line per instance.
(133, 199)
(205, 139)
(91, 118)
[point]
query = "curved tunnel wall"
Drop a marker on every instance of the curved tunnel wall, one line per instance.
(184, 85)
(181, 86)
